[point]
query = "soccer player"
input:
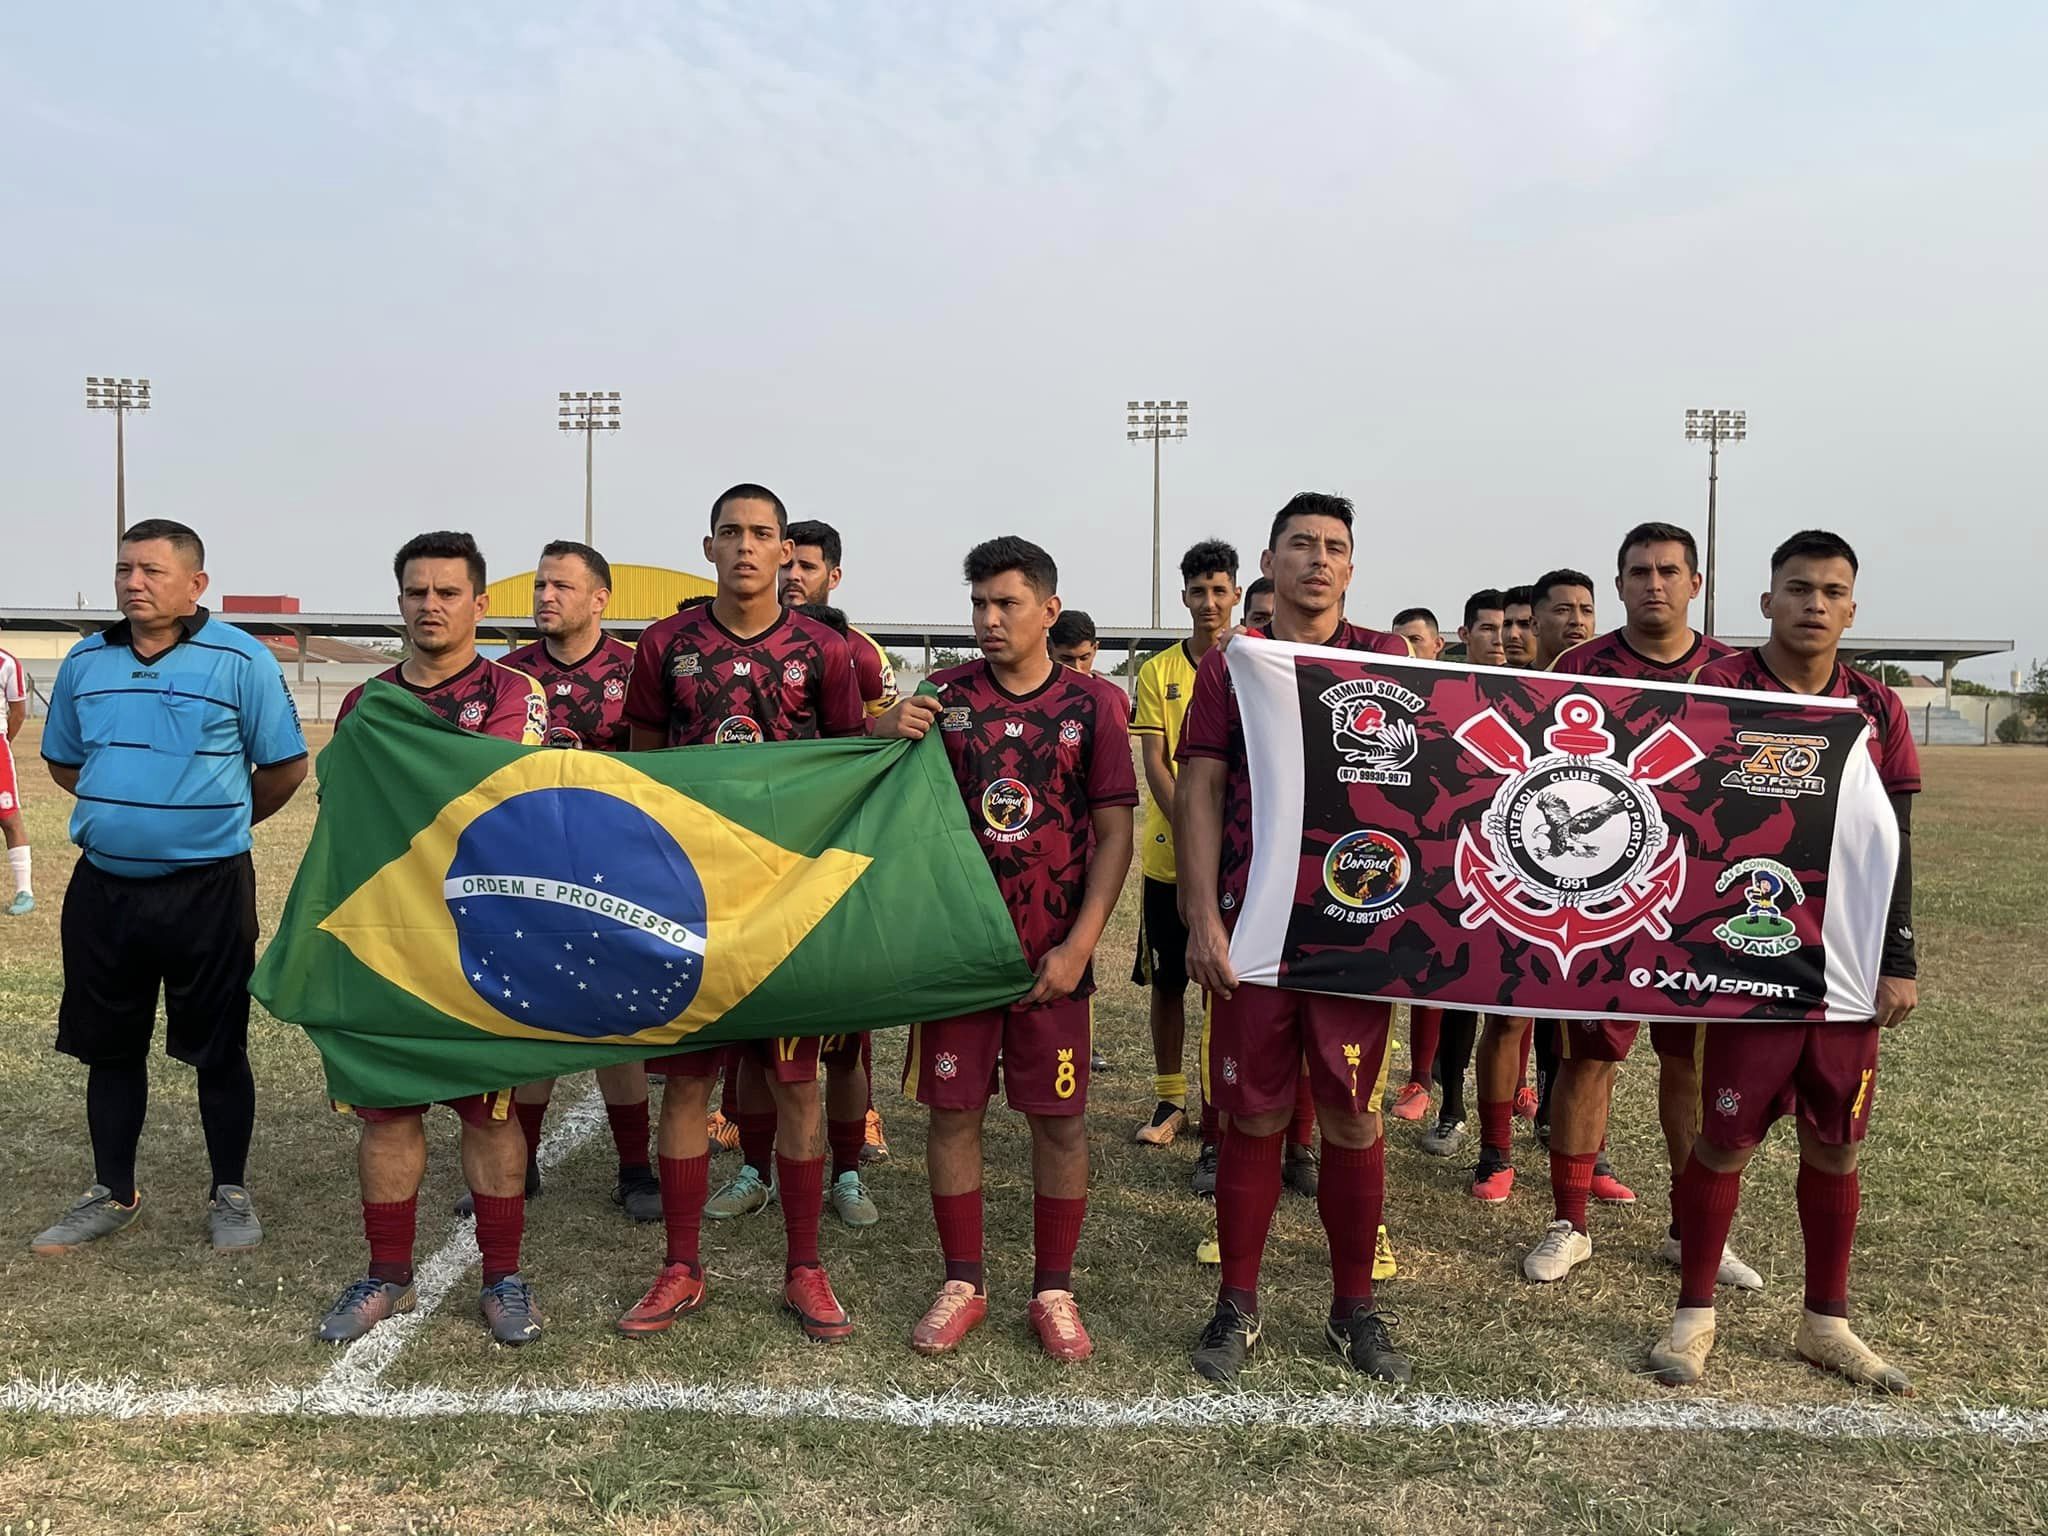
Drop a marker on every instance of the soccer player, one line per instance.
(176, 733)
(1485, 623)
(1043, 760)
(1258, 604)
(1261, 1035)
(441, 597)
(1518, 626)
(739, 669)
(1166, 682)
(1418, 627)
(1657, 577)
(1750, 1073)
(14, 698)
(582, 673)
(1072, 642)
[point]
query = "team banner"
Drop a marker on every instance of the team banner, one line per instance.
(1534, 843)
(472, 913)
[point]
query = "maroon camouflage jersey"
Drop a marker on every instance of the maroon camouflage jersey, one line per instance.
(1891, 734)
(486, 696)
(1031, 769)
(1610, 655)
(587, 698)
(1212, 729)
(697, 682)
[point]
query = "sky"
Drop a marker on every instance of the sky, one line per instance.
(904, 262)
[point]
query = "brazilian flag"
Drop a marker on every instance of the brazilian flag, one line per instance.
(473, 914)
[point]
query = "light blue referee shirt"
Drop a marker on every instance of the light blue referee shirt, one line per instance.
(163, 746)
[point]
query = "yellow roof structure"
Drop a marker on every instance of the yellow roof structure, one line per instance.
(638, 592)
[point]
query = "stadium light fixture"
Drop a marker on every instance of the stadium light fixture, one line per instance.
(1713, 426)
(103, 392)
(1155, 421)
(589, 411)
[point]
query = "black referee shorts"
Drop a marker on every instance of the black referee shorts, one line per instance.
(1162, 938)
(192, 933)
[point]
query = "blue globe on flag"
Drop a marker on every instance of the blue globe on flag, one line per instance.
(577, 912)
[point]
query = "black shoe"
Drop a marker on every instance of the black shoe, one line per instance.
(1204, 1180)
(532, 1177)
(1302, 1171)
(1097, 1062)
(638, 1194)
(1362, 1340)
(1226, 1343)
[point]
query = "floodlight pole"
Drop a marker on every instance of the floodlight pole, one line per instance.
(1714, 427)
(119, 395)
(1156, 420)
(589, 411)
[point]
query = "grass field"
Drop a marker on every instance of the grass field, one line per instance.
(1528, 1413)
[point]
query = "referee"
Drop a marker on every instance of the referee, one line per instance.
(176, 733)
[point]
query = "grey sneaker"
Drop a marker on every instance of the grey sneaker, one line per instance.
(1446, 1138)
(94, 1215)
(1203, 1180)
(508, 1309)
(231, 1216)
(851, 1202)
(1302, 1170)
(746, 1193)
(361, 1307)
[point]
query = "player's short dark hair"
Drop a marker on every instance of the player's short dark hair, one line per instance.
(1517, 597)
(1410, 615)
(600, 567)
(992, 557)
(821, 536)
(746, 490)
(1485, 599)
(1206, 559)
(445, 544)
(177, 535)
(1310, 504)
(1807, 544)
(1563, 576)
(1073, 627)
(1255, 591)
(824, 613)
(1656, 533)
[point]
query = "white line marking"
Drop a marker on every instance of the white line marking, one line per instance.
(124, 1399)
(363, 1363)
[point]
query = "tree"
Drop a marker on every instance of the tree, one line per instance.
(1897, 676)
(898, 662)
(1970, 690)
(2032, 701)
(945, 657)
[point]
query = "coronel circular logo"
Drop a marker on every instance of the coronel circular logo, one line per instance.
(1366, 870)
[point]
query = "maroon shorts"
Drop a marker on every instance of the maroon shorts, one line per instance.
(1261, 1037)
(1596, 1039)
(1675, 1040)
(790, 1058)
(477, 1109)
(840, 1052)
(951, 1063)
(1752, 1073)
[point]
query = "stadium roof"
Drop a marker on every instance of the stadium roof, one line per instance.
(1113, 637)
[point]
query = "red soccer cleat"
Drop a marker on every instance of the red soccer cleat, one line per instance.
(1525, 1103)
(957, 1312)
(1057, 1322)
(1609, 1190)
(1493, 1182)
(808, 1294)
(1411, 1103)
(675, 1292)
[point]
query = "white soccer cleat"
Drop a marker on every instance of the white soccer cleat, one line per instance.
(1561, 1249)
(1733, 1272)
(1679, 1359)
(1826, 1343)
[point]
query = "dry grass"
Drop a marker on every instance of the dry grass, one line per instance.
(1947, 1281)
